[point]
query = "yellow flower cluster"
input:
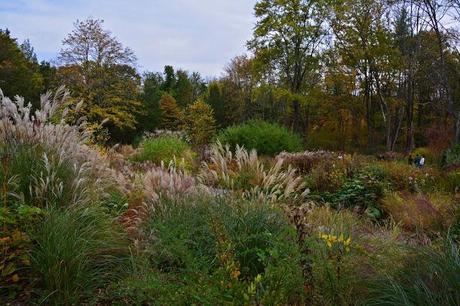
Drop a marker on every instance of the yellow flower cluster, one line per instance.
(332, 239)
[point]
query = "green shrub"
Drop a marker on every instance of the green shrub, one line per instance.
(216, 252)
(342, 269)
(450, 181)
(363, 191)
(451, 157)
(266, 138)
(166, 149)
(75, 252)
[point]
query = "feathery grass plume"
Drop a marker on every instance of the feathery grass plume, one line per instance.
(61, 163)
(244, 172)
(162, 183)
(169, 182)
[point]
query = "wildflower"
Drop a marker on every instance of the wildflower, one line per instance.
(235, 274)
(15, 278)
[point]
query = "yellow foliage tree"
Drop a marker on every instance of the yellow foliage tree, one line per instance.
(199, 123)
(171, 114)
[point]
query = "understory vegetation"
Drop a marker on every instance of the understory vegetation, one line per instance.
(162, 224)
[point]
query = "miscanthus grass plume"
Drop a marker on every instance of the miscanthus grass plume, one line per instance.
(243, 171)
(62, 166)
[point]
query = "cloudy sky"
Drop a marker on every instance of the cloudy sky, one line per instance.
(196, 35)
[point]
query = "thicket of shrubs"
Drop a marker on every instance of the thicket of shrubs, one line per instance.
(267, 138)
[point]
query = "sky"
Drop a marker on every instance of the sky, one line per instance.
(195, 35)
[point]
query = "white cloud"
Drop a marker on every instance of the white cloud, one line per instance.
(198, 35)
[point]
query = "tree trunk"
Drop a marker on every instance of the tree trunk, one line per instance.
(457, 128)
(410, 117)
(367, 101)
(295, 121)
(397, 129)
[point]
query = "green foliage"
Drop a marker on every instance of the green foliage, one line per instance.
(403, 176)
(451, 156)
(218, 251)
(364, 190)
(151, 96)
(115, 202)
(430, 278)
(332, 273)
(104, 77)
(199, 123)
(19, 75)
(25, 166)
(215, 100)
(76, 251)
(15, 246)
(450, 182)
(171, 115)
(286, 39)
(267, 138)
(184, 89)
(166, 149)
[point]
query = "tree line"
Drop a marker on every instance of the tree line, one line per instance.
(345, 74)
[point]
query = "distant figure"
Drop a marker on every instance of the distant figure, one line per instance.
(417, 160)
(421, 163)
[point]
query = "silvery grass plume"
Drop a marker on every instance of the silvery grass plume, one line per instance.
(46, 127)
(162, 184)
(272, 185)
(170, 182)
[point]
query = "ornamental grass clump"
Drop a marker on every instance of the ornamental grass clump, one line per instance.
(76, 251)
(431, 213)
(49, 156)
(52, 185)
(161, 184)
(431, 277)
(242, 171)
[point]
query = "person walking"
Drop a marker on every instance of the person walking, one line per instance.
(421, 163)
